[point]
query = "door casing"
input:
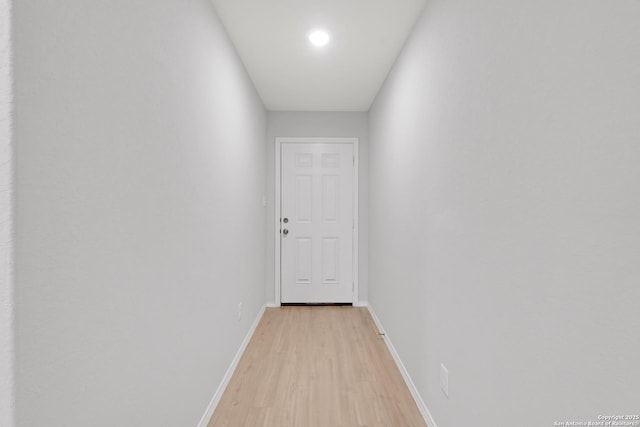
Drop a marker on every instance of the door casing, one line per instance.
(304, 140)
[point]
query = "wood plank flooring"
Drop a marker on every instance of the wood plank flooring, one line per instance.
(317, 367)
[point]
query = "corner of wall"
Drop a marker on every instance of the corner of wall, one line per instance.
(6, 221)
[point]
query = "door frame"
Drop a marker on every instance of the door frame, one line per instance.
(278, 155)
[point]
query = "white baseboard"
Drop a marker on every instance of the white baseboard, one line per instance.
(361, 304)
(422, 407)
(204, 421)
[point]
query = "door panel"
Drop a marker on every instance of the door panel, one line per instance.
(330, 260)
(304, 199)
(317, 223)
(330, 199)
(303, 261)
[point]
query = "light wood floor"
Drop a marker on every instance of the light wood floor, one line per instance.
(317, 367)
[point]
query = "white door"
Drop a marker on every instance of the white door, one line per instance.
(317, 223)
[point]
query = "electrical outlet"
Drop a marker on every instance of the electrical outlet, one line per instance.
(444, 380)
(239, 311)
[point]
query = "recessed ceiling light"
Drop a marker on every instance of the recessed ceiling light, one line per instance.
(319, 38)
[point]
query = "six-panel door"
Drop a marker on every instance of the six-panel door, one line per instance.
(317, 223)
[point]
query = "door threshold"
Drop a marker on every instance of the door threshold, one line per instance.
(316, 304)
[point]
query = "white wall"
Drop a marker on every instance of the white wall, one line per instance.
(314, 124)
(504, 206)
(139, 167)
(6, 242)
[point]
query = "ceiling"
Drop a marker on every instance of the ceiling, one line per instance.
(290, 74)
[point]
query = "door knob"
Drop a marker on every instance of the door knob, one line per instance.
(286, 220)
(285, 231)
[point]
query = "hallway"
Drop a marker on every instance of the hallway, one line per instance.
(492, 229)
(317, 367)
